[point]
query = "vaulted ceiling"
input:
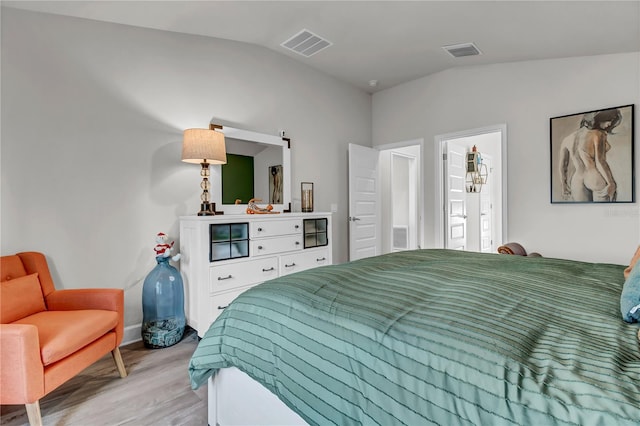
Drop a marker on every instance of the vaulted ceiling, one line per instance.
(390, 42)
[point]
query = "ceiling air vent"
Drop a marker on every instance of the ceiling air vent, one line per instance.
(306, 43)
(464, 49)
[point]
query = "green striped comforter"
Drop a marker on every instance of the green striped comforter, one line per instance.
(437, 337)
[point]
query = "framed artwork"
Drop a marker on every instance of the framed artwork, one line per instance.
(275, 184)
(592, 158)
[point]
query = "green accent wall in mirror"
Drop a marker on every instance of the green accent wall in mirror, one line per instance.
(237, 179)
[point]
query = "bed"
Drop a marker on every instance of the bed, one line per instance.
(429, 337)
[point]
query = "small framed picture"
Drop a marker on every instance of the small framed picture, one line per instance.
(592, 157)
(275, 184)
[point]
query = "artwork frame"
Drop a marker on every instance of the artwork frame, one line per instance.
(275, 184)
(592, 157)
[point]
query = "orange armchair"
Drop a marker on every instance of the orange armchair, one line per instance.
(47, 336)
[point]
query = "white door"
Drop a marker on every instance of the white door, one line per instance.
(364, 206)
(456, 205)
(486, 210)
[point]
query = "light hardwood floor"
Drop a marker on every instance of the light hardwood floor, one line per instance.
(155, 392)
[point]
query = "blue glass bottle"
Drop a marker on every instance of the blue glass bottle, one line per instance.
(163, 319)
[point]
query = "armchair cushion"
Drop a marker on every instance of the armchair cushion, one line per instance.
(109, 299)
(62, 333)
(20, 297)
(11, 267)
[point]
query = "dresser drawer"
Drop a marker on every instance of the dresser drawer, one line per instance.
(239, 274)
(276, 245)
(296, 262)
(274, 227)
(218, 303)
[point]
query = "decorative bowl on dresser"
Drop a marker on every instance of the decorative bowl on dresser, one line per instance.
(224, 255)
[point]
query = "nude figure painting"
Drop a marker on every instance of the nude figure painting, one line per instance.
(592, 157)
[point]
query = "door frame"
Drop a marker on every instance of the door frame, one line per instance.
(440, 207)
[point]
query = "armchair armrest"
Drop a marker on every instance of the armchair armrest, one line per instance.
(109, 299)
(21, 370)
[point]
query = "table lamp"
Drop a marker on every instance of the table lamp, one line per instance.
(204, 147)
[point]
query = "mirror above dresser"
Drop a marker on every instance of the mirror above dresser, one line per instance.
(258, 166)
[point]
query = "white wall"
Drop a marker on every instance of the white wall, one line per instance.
(92, 121)
(525, 95)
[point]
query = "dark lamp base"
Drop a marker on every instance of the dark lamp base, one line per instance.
(207, 209)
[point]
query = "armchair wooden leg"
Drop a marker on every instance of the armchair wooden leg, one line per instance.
(33, 414)
(119, 363)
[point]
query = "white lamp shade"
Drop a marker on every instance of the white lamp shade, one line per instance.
(203, 146)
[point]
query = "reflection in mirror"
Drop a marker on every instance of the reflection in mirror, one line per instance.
(258, 166)
(253, 170)
(237, 179)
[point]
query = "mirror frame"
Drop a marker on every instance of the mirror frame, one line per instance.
(247, 135)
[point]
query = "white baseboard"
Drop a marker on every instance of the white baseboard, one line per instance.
(132, 334)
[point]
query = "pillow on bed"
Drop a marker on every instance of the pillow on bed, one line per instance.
(634, 260)
(630, 296)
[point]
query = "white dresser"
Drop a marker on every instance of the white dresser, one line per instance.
(222, 256)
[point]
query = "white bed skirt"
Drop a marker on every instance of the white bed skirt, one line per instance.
(237, 399)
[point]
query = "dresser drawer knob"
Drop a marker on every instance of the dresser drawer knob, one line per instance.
(260, 247)
(223, 307)
(268, 270)
(297, 243)
(322, 259)
(297, 226)
(290, 265)
(259, 229)
(228, 277)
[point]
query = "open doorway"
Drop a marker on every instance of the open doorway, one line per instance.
(401, 201)
(471, 189)
(385, 198)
